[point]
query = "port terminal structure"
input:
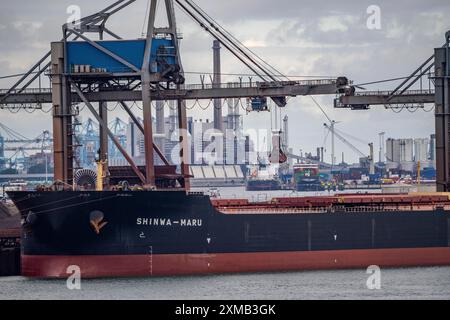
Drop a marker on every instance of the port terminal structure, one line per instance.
(90, 71)
(85, 68)
(432, 80)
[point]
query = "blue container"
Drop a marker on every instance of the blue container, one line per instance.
(82, 53)
(428, 173)
(375, 178)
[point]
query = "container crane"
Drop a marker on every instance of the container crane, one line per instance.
(41, 143)
(109, 74)
(428, 84)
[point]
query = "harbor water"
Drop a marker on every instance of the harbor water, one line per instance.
(410, 283)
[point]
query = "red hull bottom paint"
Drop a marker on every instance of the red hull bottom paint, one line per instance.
(190, 264)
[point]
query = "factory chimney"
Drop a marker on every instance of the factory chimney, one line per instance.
(218, 121)
(160, 126)
(381, 155)
(286, 133)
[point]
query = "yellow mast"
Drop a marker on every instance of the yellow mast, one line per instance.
(100, 175)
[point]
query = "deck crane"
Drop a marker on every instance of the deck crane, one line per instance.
(157, 75)
(370, 158)
(435, 72)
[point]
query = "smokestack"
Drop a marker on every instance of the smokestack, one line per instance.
(286, 132)
(381, 156)
(173, 121)
(131, 138)
(160, 117)
(160, 125)
(218, 122)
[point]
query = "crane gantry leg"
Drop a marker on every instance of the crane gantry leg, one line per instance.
(62, 117)
(442, 115)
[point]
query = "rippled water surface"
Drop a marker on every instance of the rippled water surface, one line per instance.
(411, 283)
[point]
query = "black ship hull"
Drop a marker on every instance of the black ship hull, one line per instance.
(168, 233)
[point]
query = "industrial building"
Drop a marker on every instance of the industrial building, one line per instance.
(406, 154)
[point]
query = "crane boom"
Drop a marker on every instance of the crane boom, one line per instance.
(36, 148)
(349, 144)
(345, 141)
(191, 92)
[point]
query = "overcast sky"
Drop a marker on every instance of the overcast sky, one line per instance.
(300, 38)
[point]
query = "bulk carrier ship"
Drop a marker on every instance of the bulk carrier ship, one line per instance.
(156, 233)
(160, 228)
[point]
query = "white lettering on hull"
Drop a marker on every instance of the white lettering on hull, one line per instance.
(166, 222)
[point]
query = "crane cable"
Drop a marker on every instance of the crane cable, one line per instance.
(321, 109)
(227, 38)
(276, 72)
(215, 32)
(147, 10)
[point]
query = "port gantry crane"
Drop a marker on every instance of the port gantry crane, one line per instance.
(17, 144)
(436, 72)
(157, 76)
(14, 141)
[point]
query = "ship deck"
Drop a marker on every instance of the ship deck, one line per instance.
(337, 204)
